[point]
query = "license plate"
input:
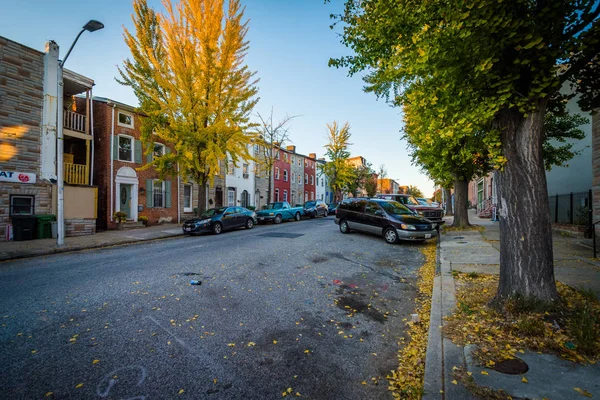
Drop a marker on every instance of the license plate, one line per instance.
(187, 229)
(428, 236)
(261, 218)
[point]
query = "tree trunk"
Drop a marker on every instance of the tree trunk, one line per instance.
(461, 203)
(201, 194)
(269, 185)
(448, 200)
(526, 258)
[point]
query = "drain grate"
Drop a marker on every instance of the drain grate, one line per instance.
(514, 366)
(458, 237)
(281, 235)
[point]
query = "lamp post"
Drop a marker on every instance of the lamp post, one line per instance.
(91, 26)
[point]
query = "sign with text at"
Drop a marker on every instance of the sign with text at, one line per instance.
(16, 177)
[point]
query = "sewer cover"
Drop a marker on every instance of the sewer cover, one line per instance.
(458, 237)
(281, 235)
(462, 242)
(513, 366)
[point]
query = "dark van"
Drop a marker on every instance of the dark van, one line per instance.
(389, 219)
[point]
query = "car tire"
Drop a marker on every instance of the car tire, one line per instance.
(249, 223)
(278, 219)
(297, 216)
(344, 227)
(217, 228)
(390, 235)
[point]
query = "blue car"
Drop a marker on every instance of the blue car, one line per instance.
(217, 220)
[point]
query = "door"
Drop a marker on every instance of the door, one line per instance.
(374, 218)
(125, 199)
(240, 217)
(229, 218)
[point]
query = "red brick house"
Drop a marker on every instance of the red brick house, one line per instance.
(281, 176)
(310, 168)
(118, 157)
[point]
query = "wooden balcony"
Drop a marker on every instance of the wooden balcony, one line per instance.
(74, 121)
(76, 174)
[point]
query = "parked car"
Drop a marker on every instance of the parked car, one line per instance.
(332, 207)
(389, 219)
(428, 202)
(434, 214)
(279, 211)
(217, 220)
(314, 208)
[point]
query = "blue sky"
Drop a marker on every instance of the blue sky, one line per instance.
(290, 45)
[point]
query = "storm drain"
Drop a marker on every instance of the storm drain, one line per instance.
(281, 235)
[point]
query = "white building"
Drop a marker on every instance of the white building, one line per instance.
(239, 180)
(322, 185)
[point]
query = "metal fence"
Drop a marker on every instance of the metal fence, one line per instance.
(571, 208)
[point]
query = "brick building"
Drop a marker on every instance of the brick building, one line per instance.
(310, 169)
(281, 175)
(119, 155)
(387, 186)
(28, 146)
(296, 176)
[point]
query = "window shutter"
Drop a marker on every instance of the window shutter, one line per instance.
(149, 194)
(138, 152)
(168, 194)
(116, 148)
(149, 157)
(167, 150)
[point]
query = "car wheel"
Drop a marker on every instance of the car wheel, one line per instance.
(390, 235)
(278, 219)
(297, 216)
(217, 228)
(344, 228)
(249, 223)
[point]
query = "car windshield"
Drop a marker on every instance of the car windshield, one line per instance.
(274, 206)
(211, 212)
(423, 202)
(412, 201)
(393, 207)
(309, 204)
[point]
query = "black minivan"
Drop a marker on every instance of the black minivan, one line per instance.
(389, 219)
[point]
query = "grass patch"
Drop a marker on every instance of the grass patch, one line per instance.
(406, 381)
(571, 330)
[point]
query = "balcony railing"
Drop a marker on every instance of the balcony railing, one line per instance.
(76, 174)
(74, 121)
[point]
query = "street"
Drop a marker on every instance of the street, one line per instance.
(297, 307)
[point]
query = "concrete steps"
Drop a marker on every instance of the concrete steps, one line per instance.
(133, 225)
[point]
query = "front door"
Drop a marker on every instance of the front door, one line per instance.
(125, 199)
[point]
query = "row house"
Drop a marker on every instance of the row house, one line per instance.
(261, 178)
(281, 175)
(324, 191)
(296, 177)
(387, 186)
(240, 182)
(28, 141)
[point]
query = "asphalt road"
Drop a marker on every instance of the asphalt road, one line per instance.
(297, 305)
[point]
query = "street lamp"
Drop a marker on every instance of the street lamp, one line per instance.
(91, 26)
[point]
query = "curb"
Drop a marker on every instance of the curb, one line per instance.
(62, 250)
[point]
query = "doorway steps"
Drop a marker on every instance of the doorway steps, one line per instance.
(133, 225)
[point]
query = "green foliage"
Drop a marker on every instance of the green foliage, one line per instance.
(557, 130)
(361, 176)
(120, 217)
(370, 185)
(338, 171)
(414, 191)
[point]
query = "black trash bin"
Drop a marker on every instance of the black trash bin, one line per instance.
(23, 227)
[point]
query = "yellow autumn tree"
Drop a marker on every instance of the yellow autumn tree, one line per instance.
(187, 70)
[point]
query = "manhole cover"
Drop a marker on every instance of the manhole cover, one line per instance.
(458, 237)
(513, 366)
(462, 242)
(281, 235)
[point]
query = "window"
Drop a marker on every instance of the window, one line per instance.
(22, 204)
(230, 168)
(277, 173)
(293, 198)
(285, 156)
(277, 154)
(125, 148)
(312, 179)
(322, 182)
(285, 175)
(245, 199)
(245, 171)
(299, 179)
(285, 195)
(276, 194)
(231, 197)
(299, 162)
(372, 207)
(306, 163)
(306, 179)
(187, 198)
(125, 119)
(312, 165)
(257, 170)
(159, 150)
(305, 196)
(293, 176)
(158, 193)
(312, 195)
(256, 149)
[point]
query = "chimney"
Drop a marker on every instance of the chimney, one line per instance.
(312, 155)
(291, 148)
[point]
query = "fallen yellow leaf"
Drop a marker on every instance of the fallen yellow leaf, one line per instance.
(582, 392)
(48, 394)
(523, 379)
(454, 382)
(250, 344)
(484, 373)
(33, 351)
(306, 351)
(181, 391)
(231, 344)
(95, 361)
(274, 341)
(79, 385)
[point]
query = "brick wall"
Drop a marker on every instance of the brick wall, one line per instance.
(309, 169)
(80, 227)
(21, 100)
(596, 167)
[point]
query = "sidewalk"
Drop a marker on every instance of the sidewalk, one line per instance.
(34, 248)
(549, 376)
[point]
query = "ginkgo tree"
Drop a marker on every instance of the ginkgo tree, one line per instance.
(187, 70)
(508, 58)
(339, 172)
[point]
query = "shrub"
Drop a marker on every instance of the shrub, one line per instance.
(120, 216)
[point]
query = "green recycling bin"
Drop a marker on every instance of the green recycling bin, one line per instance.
(44, 225)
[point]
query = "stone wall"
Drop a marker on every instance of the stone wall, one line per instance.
(21, 100)
(80, 227)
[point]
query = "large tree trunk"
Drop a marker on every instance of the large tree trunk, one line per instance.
(461, 203)
(526, 258)
(448, 201)
(269, 185)
(201, 181)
